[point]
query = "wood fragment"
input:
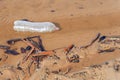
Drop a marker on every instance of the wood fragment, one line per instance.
(93, 41)
(68, 49)
(29, 67)
(28, 54)
(44, 53)
(68, 70)
(13, 41)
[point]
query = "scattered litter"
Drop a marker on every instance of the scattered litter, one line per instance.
(13, 52)
(21, 25)
(68, 49)
(108, 43)
(102, 38)
(23, 50)
(28, 48)
(35, 53)
(4, 47)
(13, 41)
(75, 58)
(105, 43)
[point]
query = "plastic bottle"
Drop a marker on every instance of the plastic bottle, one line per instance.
(21, 25)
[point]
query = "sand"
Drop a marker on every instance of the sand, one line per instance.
(79, 20)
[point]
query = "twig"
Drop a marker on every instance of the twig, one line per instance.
(97, 37)
(29, 67)
(68, 70)
(35, 44)
(68, 49)
(40, 44)
(12, 41)
(44, 53)
(27, 56)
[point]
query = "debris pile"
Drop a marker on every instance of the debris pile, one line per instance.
(36, 58)
(34, 53)
(99, 71)
(108, 43)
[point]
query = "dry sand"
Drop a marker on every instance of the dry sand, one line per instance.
(79, 20)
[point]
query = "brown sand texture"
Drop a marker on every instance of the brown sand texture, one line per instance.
(79, 21)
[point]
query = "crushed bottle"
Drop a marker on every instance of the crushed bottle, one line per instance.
(23, 25)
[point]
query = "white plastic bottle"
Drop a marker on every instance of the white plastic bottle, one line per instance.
(21, 25)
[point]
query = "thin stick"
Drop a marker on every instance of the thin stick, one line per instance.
(33, 43)
(12, 41)
(93, 41)
(27, 56)
(68, 49)
(29, 67)
(44, 53)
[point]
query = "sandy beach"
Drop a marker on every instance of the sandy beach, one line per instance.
(79, 21)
